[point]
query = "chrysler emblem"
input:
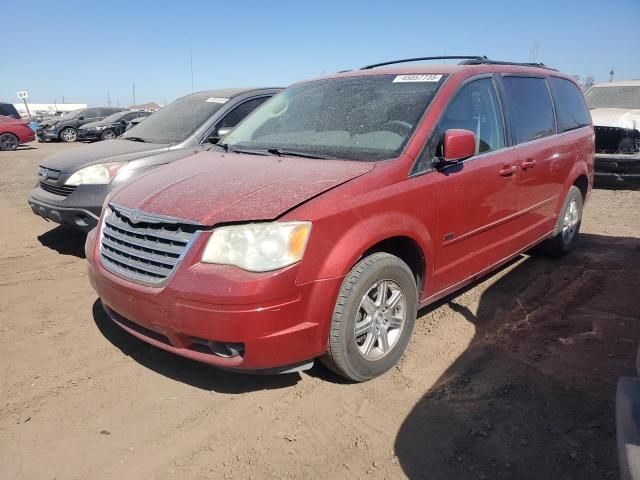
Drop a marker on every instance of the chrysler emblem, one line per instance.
(135, 216)
(44, 174)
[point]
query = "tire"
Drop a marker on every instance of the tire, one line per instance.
(8, 141)
(379, 346)
(565, 233)
(68, 135)
(108, 134)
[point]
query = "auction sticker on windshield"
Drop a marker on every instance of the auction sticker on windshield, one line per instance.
(417, 78)
(217, 100)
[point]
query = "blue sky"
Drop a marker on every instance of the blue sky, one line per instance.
(82, 50)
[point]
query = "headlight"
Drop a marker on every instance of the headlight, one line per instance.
(258, 247)
(100, 174)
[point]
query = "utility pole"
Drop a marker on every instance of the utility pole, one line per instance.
(611, 74)
(134, 92)
(108, 98)
(63, 99)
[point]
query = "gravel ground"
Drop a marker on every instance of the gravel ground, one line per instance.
(512, 378)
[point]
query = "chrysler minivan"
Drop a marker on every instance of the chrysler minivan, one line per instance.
(331, 214)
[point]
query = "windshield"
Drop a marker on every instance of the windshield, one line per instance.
(175, 122)
(365, 118)
(115, 117)
(72, 114)
(613, 97)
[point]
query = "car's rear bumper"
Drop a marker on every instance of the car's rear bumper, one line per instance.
(628, 427)
(204, 309)
(28, 138)
(617, 171)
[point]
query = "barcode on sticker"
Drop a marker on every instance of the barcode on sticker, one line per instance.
(217, 100)
(417, 78)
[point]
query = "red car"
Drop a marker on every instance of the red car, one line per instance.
(13, 132)
(321, 224)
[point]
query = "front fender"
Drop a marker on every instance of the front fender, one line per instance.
(337, 257)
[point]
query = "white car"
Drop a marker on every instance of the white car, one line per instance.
(615, 111)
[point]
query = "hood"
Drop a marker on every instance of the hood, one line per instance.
(73, 159)
(216, 187)
(616, 117)
(50, 122)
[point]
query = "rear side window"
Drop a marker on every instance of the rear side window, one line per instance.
(571, 109)
(529, 107)
(8, 110)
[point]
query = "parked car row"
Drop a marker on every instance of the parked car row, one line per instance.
(66, 128)
(318, 225)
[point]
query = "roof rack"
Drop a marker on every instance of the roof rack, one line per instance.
(466, 60)
(406, 60)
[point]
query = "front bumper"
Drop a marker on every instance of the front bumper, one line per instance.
(89, 134)
(628, 427)
(274, 321)
(80, 210)
(45, 135)
(617, 171)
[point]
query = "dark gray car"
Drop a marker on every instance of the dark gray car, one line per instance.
(72, 185)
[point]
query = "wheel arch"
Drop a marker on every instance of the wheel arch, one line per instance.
(397, 233)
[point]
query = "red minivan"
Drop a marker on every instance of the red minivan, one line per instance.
(319, 226)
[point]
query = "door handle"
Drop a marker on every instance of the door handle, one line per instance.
(527, 164)
(508, 171)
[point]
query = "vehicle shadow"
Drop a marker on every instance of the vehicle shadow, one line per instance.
(190, 372)
(65, 241)
(532, 396)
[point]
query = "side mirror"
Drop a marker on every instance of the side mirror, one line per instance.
(219, 134)
(458, 145)
(81, 117)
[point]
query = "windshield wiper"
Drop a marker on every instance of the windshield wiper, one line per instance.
(293, 153)
(229, 148)
(135, 139)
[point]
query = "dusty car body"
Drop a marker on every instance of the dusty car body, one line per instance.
(615, 110)
(320, 224)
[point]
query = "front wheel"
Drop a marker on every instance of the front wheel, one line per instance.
(108, 134)
(567, 226)
(68, 135)
(373, 318)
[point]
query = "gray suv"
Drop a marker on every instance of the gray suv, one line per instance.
(73, 184)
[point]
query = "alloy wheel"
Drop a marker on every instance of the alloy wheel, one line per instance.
(570, 222)
(380, 319)
(8, 142)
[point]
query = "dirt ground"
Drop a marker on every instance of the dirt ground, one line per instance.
(512, 378)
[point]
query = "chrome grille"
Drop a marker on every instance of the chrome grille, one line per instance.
(146, 251)
(63, 191)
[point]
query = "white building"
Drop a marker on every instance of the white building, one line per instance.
(48, 108)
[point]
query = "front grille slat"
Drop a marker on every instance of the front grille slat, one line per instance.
(63, 191)
(169, 261)
(146, 252)
(181, 237)
(146, 244)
